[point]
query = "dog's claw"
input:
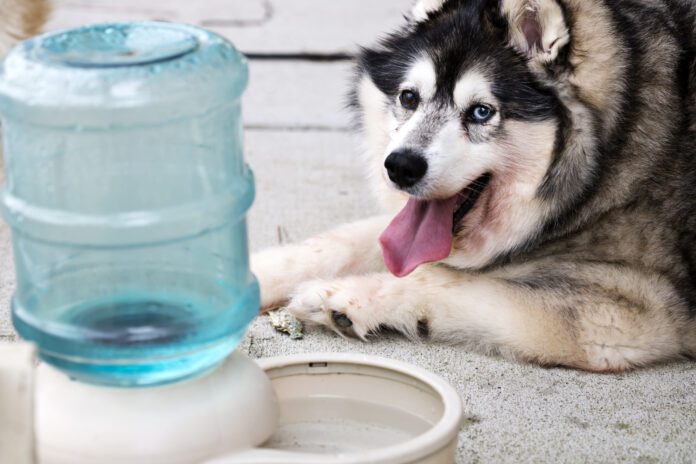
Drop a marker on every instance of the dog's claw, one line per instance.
(341, 320)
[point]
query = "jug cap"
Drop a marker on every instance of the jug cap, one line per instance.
(120, 73)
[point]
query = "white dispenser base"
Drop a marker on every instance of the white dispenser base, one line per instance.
(233, 407)
(17, 362)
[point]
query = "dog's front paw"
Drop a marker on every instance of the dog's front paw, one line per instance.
(345, 306)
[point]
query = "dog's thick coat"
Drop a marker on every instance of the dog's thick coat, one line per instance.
(580, 249)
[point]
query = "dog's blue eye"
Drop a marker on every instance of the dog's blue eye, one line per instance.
(480, 114)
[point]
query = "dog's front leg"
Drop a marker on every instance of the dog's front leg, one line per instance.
(350, 249)
(598, 320)
(360, 305)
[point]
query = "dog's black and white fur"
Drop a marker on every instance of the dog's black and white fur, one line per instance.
(573, 123)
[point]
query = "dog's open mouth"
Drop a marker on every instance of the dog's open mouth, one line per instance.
(423, 231)
(467, 198)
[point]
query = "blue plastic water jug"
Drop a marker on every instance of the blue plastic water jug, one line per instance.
(126, 194)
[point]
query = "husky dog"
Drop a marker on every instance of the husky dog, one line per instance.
(20, 19)
(542, 155)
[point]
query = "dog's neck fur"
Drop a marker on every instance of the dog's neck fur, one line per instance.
(598, 130)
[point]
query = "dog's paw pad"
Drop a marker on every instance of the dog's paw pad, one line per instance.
(341, 320)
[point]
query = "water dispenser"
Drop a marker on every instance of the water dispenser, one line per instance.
(126, 194)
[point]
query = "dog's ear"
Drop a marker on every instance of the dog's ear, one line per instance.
(423, 8)
(537, 27)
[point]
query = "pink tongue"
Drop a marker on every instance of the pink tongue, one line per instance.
(421, 233)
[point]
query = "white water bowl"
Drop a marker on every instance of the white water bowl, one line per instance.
(347, 408)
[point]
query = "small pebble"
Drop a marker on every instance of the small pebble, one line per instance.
(284, 322)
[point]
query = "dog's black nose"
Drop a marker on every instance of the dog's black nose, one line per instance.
(406, 167)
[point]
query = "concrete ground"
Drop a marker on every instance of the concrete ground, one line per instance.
(309, 179)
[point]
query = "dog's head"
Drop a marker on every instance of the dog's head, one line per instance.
(463, 126)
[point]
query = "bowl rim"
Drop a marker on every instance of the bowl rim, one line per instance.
(440, 435)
